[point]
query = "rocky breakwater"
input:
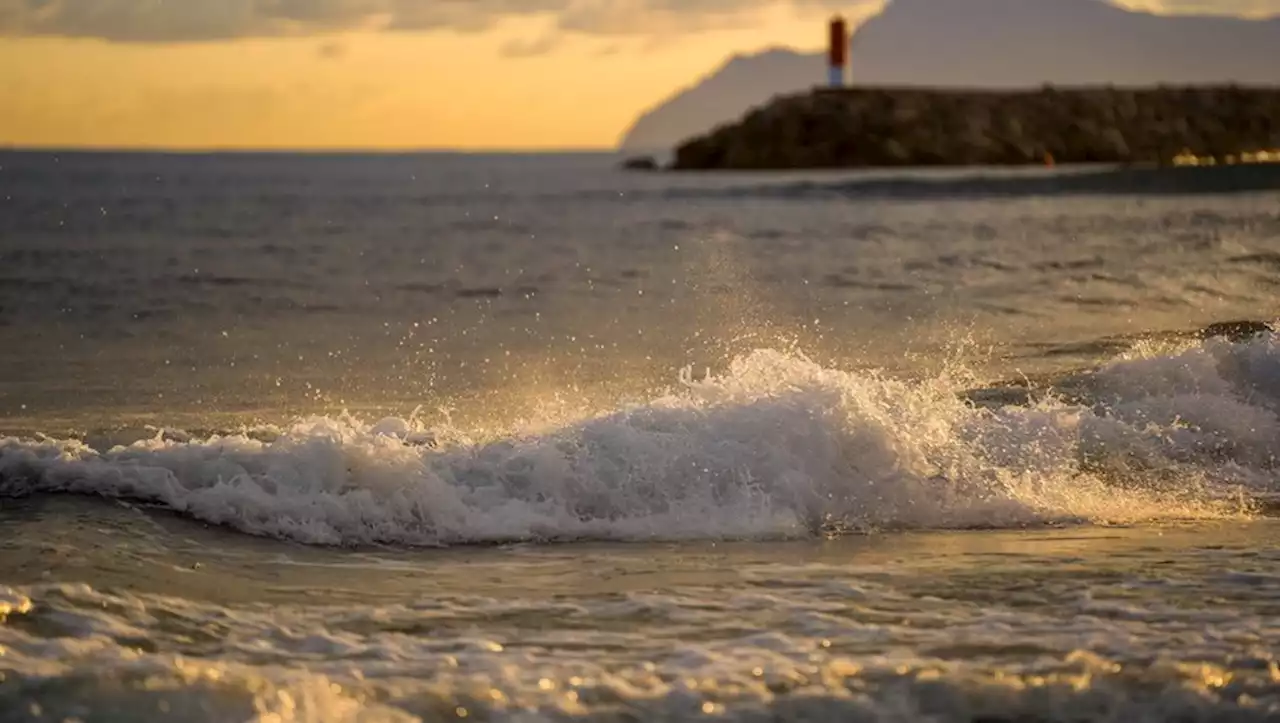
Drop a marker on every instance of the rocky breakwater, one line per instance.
(878, 127)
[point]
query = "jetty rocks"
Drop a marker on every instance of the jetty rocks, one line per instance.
(887, 127)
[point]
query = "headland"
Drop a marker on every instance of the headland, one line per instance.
(904, 127)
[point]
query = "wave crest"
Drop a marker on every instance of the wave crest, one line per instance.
(777, 446)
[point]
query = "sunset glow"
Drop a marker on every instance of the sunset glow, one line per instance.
(521, 83)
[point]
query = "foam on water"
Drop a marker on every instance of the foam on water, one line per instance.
(776, 446)
(89, 654)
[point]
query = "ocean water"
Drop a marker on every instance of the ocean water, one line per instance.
(527, 438)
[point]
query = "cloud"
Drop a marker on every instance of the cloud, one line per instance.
(1255, 8)
(655, 17)
(331, 50)
(197, 20)
(520, 48)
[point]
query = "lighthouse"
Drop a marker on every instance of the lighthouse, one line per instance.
(838, 52)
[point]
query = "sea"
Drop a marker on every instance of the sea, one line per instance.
(455, 437)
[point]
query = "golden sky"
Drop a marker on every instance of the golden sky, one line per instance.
(508, 81)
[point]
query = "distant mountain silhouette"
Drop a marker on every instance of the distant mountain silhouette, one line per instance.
(984, 44)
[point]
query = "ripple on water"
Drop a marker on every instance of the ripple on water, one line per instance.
(995, 626)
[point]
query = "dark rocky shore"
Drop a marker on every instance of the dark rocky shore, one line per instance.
(886, 127)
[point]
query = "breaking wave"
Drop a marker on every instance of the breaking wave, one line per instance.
(777, 446)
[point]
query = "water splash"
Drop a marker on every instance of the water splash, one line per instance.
(776, 446)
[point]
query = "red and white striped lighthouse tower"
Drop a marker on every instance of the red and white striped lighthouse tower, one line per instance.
(837, 52)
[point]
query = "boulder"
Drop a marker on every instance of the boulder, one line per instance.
(640, 163)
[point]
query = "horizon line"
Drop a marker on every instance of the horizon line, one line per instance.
(308, 150)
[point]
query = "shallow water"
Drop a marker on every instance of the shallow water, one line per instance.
(169, 619)
(526, 438)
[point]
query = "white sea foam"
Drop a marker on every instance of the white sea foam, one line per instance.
(775, 446)
(802, 654)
